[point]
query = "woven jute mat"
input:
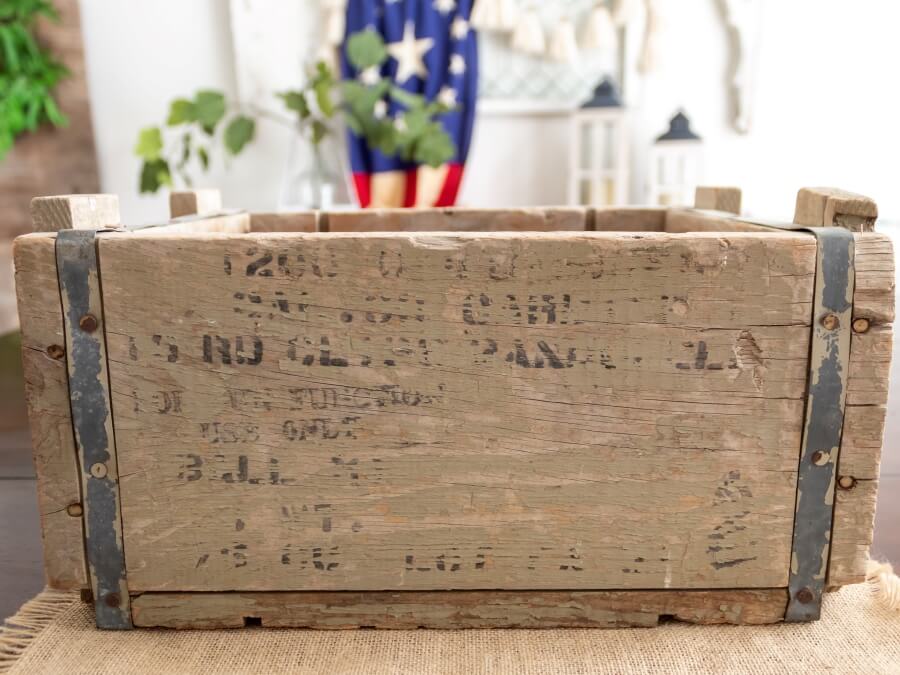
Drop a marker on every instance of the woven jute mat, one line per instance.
(859, 633)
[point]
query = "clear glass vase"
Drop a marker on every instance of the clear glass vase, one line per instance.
(316, 176)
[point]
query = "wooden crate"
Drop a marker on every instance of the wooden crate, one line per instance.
(451, 418)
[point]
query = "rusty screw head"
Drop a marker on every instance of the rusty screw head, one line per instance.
(830, 322)
(88, 323)
(820, 458)
(112, 600)
(861, 325)
(846, 482)
(56, 352)
(805, 596)
(74, 510)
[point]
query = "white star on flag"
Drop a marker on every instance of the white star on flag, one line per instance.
(380, 110)
(445, 6)
(459, 29)
(447, 96)
(457, 64)
(408, 53)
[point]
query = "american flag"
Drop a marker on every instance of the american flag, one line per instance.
(433, 52)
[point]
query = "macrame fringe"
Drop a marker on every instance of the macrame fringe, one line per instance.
(885, 584)
(20, 630)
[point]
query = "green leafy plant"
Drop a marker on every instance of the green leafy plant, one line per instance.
(28, 72)
(414, 134)
(196, 124)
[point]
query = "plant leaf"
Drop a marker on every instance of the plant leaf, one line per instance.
(155, 174)
(181, 111)
(203, 156)
(149, 145)
(295, 101)
(209, 107)
(365, 49)
(238, 133)
(319, 131)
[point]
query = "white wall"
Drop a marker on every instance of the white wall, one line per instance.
(826, 112)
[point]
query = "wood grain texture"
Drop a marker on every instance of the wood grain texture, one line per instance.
(692, 220)
(726, 199)
(455, 220)
(47, 394)
(284, 222)
(74, 212)
(237, 222)
(627, 219)
(831, 207)
(869, 371)
(53, 161)
(193, 202)
(376, 412)
(458, 609)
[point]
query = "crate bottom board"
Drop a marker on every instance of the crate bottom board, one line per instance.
(457, 609)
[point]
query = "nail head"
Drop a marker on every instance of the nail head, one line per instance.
(830, 321)
(88, 323)
(74, 510)
(56, 352)
(98, 470)
(846, 482)
(861, 325)
(805, 596)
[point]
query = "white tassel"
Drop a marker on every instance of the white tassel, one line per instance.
(599, 32)
(528, 36)
(486, 15)
(886, 583)
(563, 47)
(624, 11)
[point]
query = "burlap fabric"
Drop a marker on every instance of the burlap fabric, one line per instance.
(858, 634)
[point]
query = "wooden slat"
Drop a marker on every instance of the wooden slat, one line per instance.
(47, 394)
(869, 369)
(361, 412)
(830, 207)
(284, 222)
(691, 220)
(634, 219)
(455, 220)
(726, 199)
(237, 222)
(79, 212)
(194, 202)
(457, 609)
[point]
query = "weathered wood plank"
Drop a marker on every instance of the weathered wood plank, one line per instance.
(633, 219)
(455, 220)
(831, 207)
(726, 199)
(691, 220)
(284, 222)
(79, 212)
(361, 412)
(457, 609)
(869, 371)
(237, 222)
(47, 394)
(194, 202)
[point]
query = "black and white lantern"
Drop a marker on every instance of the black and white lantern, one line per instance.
(676, 163)
(598, 174)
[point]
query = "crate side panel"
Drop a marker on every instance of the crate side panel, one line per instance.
(352, 412)
(457, 220)
(49, 417)
(458, 609)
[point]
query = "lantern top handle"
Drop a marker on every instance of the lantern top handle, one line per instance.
(606, 95)
(679, 129)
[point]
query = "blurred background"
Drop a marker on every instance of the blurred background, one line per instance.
(497, 104)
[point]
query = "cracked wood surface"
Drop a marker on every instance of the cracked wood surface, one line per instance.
(458, 609)
(427, 412)
(47, 394)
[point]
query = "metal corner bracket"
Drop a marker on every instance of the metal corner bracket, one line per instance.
(89, 397)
